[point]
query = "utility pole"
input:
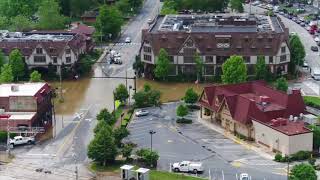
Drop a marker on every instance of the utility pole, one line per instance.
(8, 137)
(60, 84)
(288, 169)
(151, 132)
(77, 174)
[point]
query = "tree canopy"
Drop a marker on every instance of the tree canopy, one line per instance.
(303, 171)
(234, 70)
(261, 69)
(6, 75)
(121, 93)
(17, 64)
(297, 53)
(173, 6)
(21, 23)
(316, 136)
(199, 65)
(281, 84)
(182, 110)
(109, 21)
(49, 15)
(35, 76)
(105, 115)
(190, 96)
(236, 5)
(2, 59)
(102, 148)
(162, 65)
(147, 97)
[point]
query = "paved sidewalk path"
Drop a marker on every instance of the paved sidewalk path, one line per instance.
(248, 145)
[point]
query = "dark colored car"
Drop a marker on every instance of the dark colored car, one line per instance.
(314, 48)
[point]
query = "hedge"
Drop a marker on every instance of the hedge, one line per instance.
(299, 156)
(127, 118)
(184, 121)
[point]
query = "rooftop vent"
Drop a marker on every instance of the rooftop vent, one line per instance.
(14, 88)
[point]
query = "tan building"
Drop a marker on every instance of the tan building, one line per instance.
(249, 109)
(215, 37)
(282, 135)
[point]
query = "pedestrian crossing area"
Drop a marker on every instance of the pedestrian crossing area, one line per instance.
(126, 44)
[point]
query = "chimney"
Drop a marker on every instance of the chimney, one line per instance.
(14, 88)
(296, 91)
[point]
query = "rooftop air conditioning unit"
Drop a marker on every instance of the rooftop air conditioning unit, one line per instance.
(14, 88)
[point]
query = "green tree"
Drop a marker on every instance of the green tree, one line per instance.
(124, 6)
(49, 15)
(106, 116)
(303, 171)
(234, 70)
(126, 151)
(109, 21)
(4, 22)
(182, 110)
(102, 148)
(147, 97)
(281, 84)
(78, 7)
(12, 8)
(138, 66)
(147, 87)
(149, 157)
(316, 136)
(190, 96)
(20, 23)
(261, 69)
(199, 65)
(139, 99)
(6, 75)
(135, 4)
(236, 5)
(297, 53)
(35, 76)
(121, 93)
(2, 59)
(17, 64)
(162, 65)
(119, 134)
(101, 125)
(153, 97)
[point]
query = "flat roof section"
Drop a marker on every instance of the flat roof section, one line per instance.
(25, 89)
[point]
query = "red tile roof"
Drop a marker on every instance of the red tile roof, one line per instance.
(83, 29)
(244, 101)
(287, 127)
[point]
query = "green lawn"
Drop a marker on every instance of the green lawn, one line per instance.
(312, 101)
(161, 175)
(115, 168)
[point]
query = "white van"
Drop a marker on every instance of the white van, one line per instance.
(315, 73)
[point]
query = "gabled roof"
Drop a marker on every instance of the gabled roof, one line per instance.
(254, 100)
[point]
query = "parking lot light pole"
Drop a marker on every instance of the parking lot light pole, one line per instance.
(151, 132)
(130, 87)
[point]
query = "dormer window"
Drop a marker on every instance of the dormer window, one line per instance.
(68, 51)
(39, 50)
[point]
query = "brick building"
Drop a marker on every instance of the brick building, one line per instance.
(215, 38)
(257, 111)
(26, 105)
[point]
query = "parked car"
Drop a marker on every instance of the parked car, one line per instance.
(305, 64)
(128, 40)
(244, 176)
(117, 60)
(19, 140)
(316, 39)
(150, 21)
(314, 48)
(187, 166)
(142, 113)
(315, 73)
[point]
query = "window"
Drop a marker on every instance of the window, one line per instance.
(188, 59)
(270, 59)
(146, 41)
(171, 59)
(189, 51)
(283, 49)
(147, 49)
(51, 50)
(39, 50)
(68, 51)
(209, 70)
(147, 57)
(39, 59)
(283, 58)
(246, 59)
(68, 59)
(221, 59)
(209, 59)
(55, 59)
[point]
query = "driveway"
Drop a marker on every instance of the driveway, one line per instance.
(196, 142)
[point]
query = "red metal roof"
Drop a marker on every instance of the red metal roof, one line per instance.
(244, 101)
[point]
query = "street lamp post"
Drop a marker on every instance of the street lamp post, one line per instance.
(151, 132)
(130, 87)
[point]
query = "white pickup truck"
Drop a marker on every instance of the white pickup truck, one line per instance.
(187, 166)
(19, 140)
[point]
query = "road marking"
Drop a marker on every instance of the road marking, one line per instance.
(170, 141)
(31, 154)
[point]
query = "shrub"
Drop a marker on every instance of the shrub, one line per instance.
(184, 121)
(301, 155)
(312, 161)
(285, 159)
(193, 106)
(278, 157)
(148, 157)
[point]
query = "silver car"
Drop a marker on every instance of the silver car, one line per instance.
(142, 113)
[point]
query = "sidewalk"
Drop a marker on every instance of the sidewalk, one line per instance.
(252, 146)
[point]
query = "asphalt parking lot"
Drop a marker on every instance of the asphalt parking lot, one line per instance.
(196, 142)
